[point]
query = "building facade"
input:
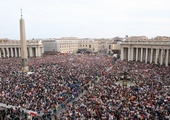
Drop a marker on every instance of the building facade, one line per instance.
(73, 44)
(155, 50)
(69, 44)
(113, 46)
(12, 48)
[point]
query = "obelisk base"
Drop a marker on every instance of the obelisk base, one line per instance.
(24, 65)
(25, 69)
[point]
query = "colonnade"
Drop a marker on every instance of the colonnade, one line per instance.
(155, 54)
(12, 51)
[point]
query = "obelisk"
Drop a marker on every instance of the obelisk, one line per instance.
(24, 53)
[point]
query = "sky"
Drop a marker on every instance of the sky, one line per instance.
(85, 18)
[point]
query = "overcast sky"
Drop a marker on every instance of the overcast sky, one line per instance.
(85, 18)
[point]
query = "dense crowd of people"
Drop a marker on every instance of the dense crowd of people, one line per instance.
(12, 114)
(56, 80)
(148, 98)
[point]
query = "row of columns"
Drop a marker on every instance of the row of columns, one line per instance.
(151, 55)
(10, 52)
(16, 51)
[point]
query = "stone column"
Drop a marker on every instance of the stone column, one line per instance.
(7, 52)
(42, 50)
(12, 52)
(2, 52)
(30, 51)
(162, 56)
(151, 55)
(38, 51)
(122, 53)
(19, 52)
(129, 55)
(144, 54)
(156, 58)
(136, 54)
(167, 55)
(141, 59)
(16, 53)
(146, 59)
(132, 50)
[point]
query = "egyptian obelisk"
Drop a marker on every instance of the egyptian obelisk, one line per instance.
(24, 53)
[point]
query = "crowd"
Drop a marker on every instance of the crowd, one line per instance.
(55, 81)
(12, 114)
(148, 98)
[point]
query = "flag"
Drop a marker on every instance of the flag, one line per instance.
(33, 114)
